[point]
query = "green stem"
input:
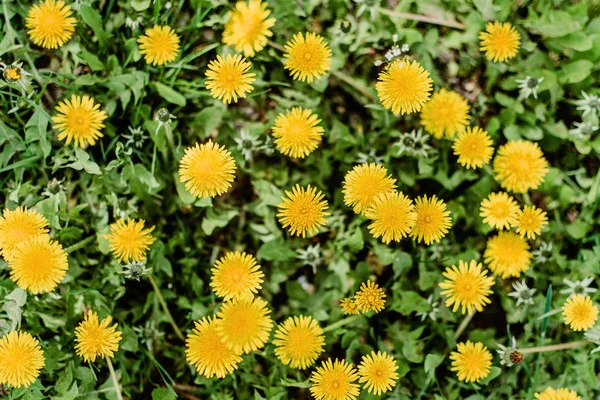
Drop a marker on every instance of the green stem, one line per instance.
(115, 380)
(81, 244)
(341, 323)
(276, 45)
(354, 83)
(163, 303)
(554, 347)
(422, 18)
(463, 325)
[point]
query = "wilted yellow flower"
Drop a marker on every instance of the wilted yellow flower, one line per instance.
(500, 41)
(370, 297)
(128, 240)
(299, 341)
(50, 23)
(307, 57)
(447, 113)
(297, 132)
(432, 220)
(208, 352)
(159, 45)
(228, 78)
(303, 211)
(96, 338)
(473, 148)
(579, 312)
(334, 381)
(557, 394)
(236, 275)
(19, 225)
(79, 120)
(499, 210)
(530, 221)
(520, 166)
(207, 169)
(378, 372)
(507, 255)
(248, 27)
(467, 287)
(349, 306)
(404, 87)
(471, 362)
(245, 324)
(393, 216)
(364, 183)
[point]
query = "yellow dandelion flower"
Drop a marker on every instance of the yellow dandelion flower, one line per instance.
(307, 57)
(507, 254)
(159, 45)
(207, 169)
(297, 132)
(248, 27)
(299, 341)
(79, 120)
(530, 221)
(349, 306)
(499, 210)
(404, 87)
(19, 225)
(38, 264)
(128, 240)
(21, 359)
(370, 297)
(228, 78)
(467, 287)
(447, 113)
(245, 324)
(236, 275)
(334, 381)
(520, 166)
(303, 211)
(557, 394)
(471, 362)
(207, 351)
(500, 41)
(50, 23)
(378, 372)
(364, 183)
(473, 148)
(432, 221)
(579, 312)
(393, 216)
(95, 338)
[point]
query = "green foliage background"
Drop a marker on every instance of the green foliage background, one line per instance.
(560, 42)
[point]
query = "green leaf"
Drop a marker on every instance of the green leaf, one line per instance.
(213, 220)
(410, 302)
(84, 163)
(169, 94)
(577, 71)
(163, 394)
(578, 41)
(432, 361)
(93, 19)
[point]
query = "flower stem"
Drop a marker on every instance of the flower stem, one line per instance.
(341, 323)
(422, 18)
(275, 45)
(463, 325)
(81, 244)
(554, 347)
(163, 303)
(115, 380)
(354, 83)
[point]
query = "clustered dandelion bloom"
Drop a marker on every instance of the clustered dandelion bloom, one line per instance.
(128, 240)
(370, 297)
(95, 338)
(245, 324)
(349, 306)
(334, 381)
(446, 114)
(248, 27)
(50, 23)
(159, 45)
(228, 78)
(471, 361)
(393, 216)
(236, 275)
(404, 87)
(303, 211)
(297, 132)
(364, 183)
(378, 372)
(308, 57)
(79, 120)
(19, 225)
(432, 220)
(21, 359)
(500, 41)
(207, 169)
(208, 352)
(499, 210)
(298, 342)
(579, 312)
(530, 221)
(557, 394)
(467, 287)
(473, 148)
(507, 254)
(520, 166)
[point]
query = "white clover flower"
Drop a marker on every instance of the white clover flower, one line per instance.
(522, 293)
(589, 104)
(432, 313)
(578, 287)
(529, 86)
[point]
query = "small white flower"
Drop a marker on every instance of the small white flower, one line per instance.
(578, 287)
(405, 48)
(371, 157)
(522, 293)
(378, 63)
(168, 5)
(413, 144)
(247, 144)
(589, 104)
(395, 37)
(543, 253)
(505, 353)
(164, 118)
(310, 256)
(389, 55)
(432, 313)
(134, 24)
(136, 137)
(529, 86)
(593, 335)
(583, 130)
